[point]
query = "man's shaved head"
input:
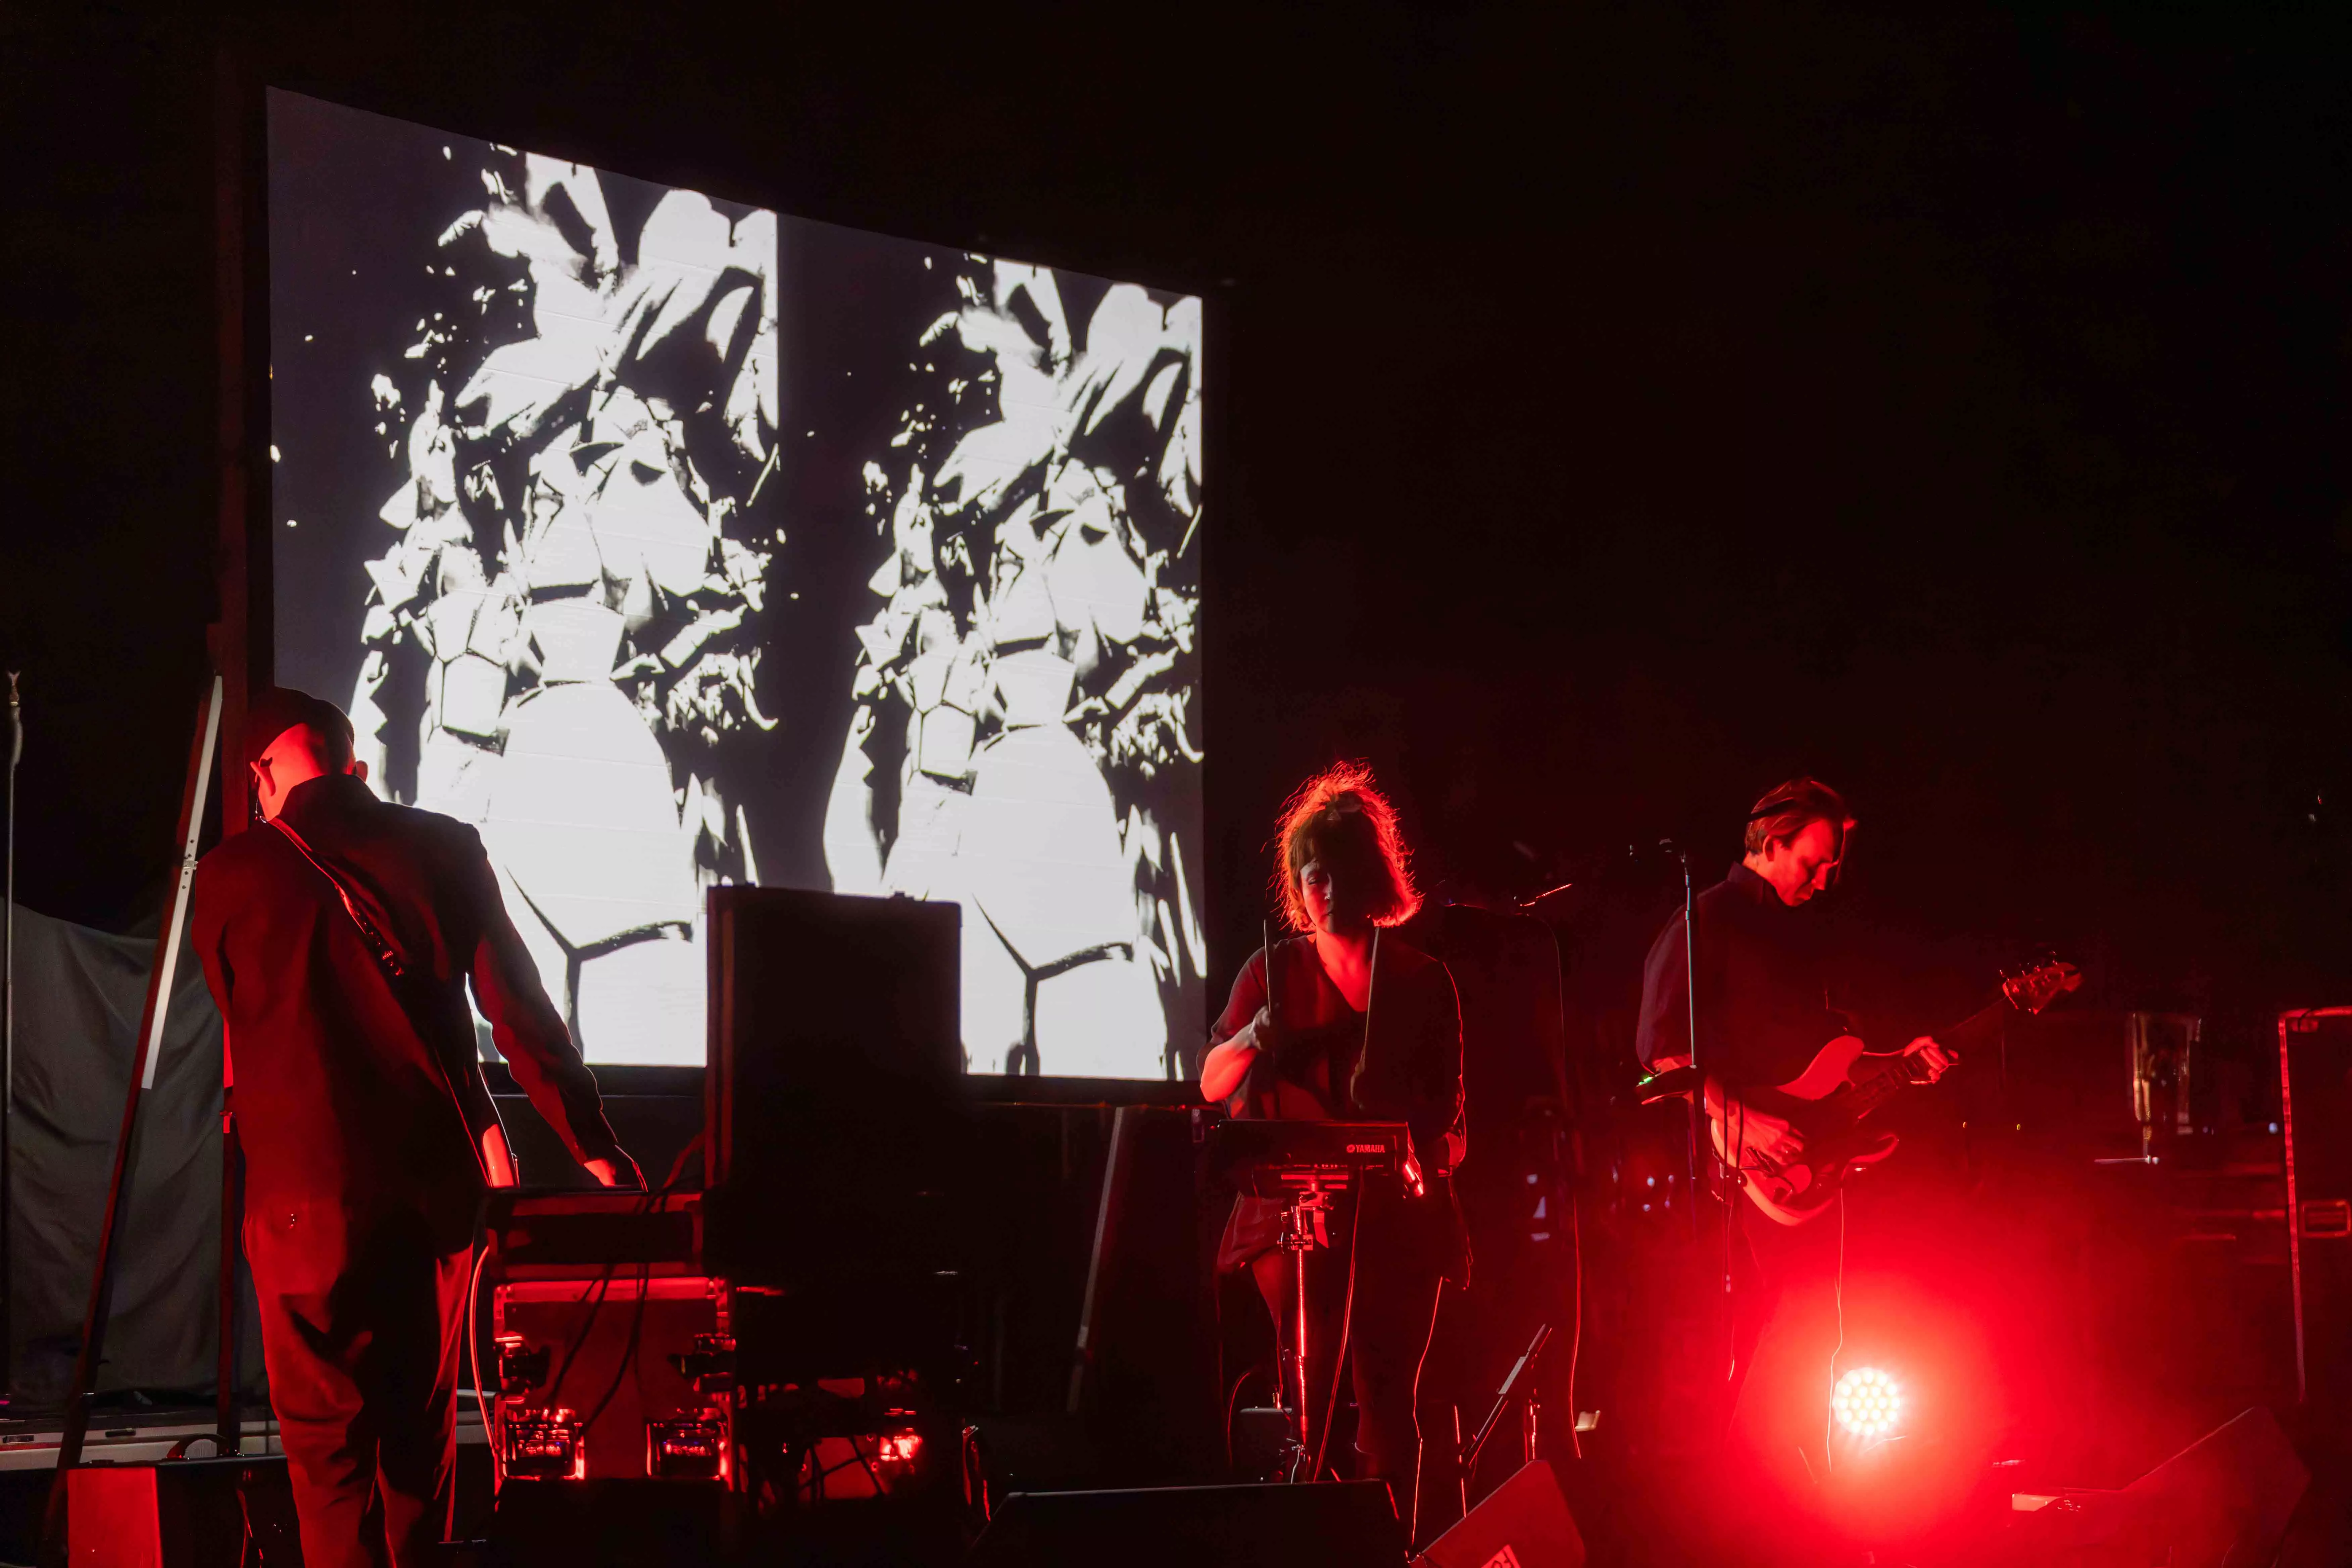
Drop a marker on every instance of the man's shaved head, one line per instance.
(292, 738)
(278, 709)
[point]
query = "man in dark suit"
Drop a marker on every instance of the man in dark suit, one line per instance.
(338, 936)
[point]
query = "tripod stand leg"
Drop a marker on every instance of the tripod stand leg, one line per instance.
(142, 1073)
(1305, 1419)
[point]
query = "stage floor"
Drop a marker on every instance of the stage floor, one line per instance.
(149, 1434)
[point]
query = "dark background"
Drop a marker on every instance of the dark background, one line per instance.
(1612, 412)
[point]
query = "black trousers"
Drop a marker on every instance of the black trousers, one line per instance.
(1784, 1328)
(1777, 1272)
(361, 1323)
(1399, 1264)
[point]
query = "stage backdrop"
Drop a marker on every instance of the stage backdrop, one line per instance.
(673, 542)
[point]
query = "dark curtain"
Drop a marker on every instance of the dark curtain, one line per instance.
(78, 997)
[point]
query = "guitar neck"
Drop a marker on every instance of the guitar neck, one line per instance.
(1890, 1078)
(1979, 1029)
(1861, 1099)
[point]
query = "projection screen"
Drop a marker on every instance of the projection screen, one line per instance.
(672, 542)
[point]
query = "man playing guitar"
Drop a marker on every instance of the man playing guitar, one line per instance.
(1762, 1009)
(1762, 1016)
(1789, 1092)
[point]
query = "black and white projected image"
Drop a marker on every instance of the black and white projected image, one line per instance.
(1022, 741)
(673, 542)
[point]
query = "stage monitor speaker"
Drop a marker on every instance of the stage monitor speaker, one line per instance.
(2315, 1084)
(1522, 1524)
(182, 1513)
(2224, 1500)
(1347, 1524)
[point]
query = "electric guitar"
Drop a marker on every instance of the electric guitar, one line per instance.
(1828, 1102)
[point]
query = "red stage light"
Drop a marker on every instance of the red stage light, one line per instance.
(900, 1448)
(1867, 1403)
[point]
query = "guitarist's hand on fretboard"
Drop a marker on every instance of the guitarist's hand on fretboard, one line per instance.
(1931, 1056)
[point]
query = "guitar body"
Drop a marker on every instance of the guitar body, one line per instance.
(1816, 1102)
(1827, 1103)
(1831, 1070)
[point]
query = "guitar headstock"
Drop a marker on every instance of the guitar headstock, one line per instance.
(2034, 988)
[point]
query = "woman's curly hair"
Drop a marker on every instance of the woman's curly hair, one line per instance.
(1340, 817)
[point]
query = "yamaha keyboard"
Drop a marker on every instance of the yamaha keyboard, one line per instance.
(1274, 1159)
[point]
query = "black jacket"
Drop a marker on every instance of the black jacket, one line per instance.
(349, 1094)
(1763, 983)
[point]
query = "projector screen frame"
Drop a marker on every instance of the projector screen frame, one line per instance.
(242, 638)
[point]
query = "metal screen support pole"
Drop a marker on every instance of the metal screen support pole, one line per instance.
(142, 1078)
(2294, 1206)
(8, 1058)
(1690, 987)
(1112, 1164)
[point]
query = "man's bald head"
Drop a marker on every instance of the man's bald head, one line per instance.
(292, 738)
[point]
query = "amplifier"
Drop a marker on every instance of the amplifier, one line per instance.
(621, 1374)
(2315, 1094)
(182, 1513)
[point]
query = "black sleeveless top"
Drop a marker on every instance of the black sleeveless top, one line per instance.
(1410, 1070)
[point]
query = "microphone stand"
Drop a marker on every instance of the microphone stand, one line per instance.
(1697, 1132)
(1525, 908)
(1728, 1170)
(8, 1052)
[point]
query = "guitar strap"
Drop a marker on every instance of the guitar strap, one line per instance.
(386, 957)
(396, 973)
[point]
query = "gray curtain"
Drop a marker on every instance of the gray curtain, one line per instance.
(78, 997)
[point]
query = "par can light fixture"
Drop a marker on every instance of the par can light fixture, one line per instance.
(1867, 1403)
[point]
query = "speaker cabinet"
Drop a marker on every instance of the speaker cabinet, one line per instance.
(1349, 1524)
(2224, 1500)
(835, 1098)
(1522, 1524)
(182, 1513)
(2315, 1084)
